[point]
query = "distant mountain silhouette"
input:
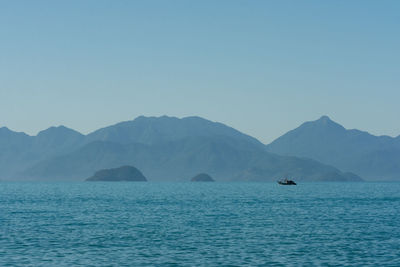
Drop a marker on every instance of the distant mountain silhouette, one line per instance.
(155, 130)
(175, 161)
(165, 148)
(19, 150)
(372, 157)
(13, 152)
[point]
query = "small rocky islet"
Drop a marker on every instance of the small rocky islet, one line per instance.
(121, 174)
(202, 177)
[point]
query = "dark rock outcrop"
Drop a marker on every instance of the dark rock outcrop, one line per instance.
(124, 173)
(202, 177)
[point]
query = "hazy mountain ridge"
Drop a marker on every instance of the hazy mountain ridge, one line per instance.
(165, 148)
(373, 157)
(152, 130)
(175, 161)
(19, 150)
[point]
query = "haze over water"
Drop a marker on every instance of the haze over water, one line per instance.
(195, 224)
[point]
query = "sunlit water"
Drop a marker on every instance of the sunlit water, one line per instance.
(199, 224)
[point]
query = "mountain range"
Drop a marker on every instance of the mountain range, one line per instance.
(375, 158)
(163, 148)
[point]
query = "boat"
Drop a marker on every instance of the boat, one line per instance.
(286, 182)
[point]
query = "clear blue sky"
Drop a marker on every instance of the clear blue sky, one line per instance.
(262, 67)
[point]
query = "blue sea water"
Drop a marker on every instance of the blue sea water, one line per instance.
(199, 224)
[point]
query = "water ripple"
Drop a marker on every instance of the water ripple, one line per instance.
(185, 224)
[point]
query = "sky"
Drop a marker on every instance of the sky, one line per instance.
(262, 67)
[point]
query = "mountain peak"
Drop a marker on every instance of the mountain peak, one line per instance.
(7, 131)
(326, 122)
(58, 130)
(142, 117)
(324, 118)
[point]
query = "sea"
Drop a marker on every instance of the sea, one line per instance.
(199, 224)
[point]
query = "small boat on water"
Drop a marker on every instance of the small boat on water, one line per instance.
(286, 182)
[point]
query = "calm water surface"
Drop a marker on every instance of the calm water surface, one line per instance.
(199, 224)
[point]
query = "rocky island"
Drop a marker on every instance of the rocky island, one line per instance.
(124, 173)
(202, 177)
